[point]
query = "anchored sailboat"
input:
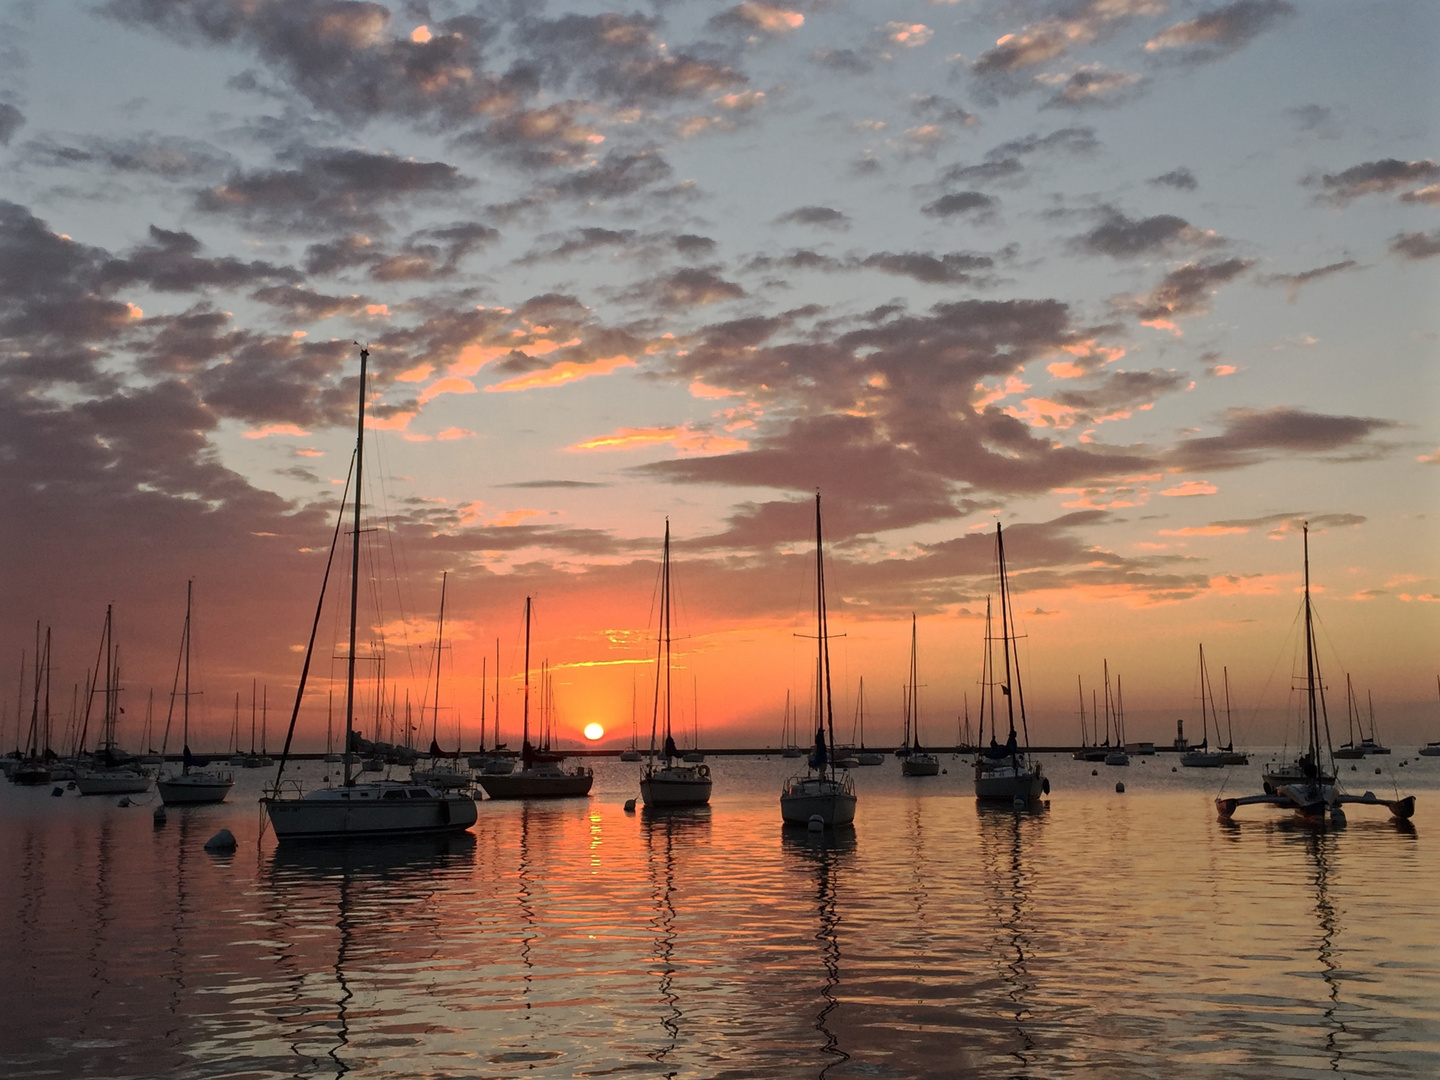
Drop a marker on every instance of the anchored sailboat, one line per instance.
(1304, 786)
(1202, 757)
(1005, 773)
(917, 762)
(540, 775)
(194, 783)
(820, 793)
(672, 783)
(863, 756)
(356, 809)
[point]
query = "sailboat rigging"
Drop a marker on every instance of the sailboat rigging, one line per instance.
(1305, 786)
(1004, 772)
(356, 809)
(194, 783)
(820, 793)
(917, 762)
(672, 783)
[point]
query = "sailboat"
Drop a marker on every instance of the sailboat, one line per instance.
(540, 775)
(1348, 750)
(194, 783)
(820, 793)
(1372, 745)
(445, 777)
(1304, 786)
(863, 756)
(917, 762)
(695, 756)
(1228, 754)
(788, 749)
(673, 783)
(34, 764)
(1202, 757)
(1005, 773)
(117, 773)
(357, 809)
(633, 753)
(1432, 749)
(1117, 755)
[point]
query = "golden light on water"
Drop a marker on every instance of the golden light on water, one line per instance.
(594, 731)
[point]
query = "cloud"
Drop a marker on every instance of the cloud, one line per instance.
(823, 216)
(1214, 35)
(617, 174)
(11, 120)
(753, 18)
(688, 287)
(1191, 488)
(844, 61)
(687, 439)
(1121, 237)
(1092, 86)
(1373, 178)
(952, 268)
(563, 373)
(1180, 179)
(1318, 120)
(960, 202)
(1184, 291)
(564, 485)
(172, 263)
(1416, 245)
(306, 304)
(1293, 282)
(1251, 435)
(329, 190)
(1053, 36)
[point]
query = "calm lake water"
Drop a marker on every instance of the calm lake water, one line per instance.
(1110, 935)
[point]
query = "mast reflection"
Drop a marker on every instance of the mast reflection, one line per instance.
(827, 852)
(661, 828)
(1005, 837)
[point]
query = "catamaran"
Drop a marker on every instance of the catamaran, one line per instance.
(1004, 772)
(820, 793)
(671, 783)
(1304, 786)
(357, 809)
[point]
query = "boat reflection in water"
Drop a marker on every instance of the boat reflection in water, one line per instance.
(663, 829)
(827, 853)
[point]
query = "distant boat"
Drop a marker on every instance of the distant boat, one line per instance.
(863, 756)
(1432, 749)
(1372, 744)
(194, 783)
(788, 748)
(1005, 772)
(1304, 787)
(1202, 757)
(33, 766)
(633, 753)
(669, 784)
(446, 777)
(113, 772)
(1228, 754)
(1116, 754)
(917, 762)
(357, 810)
(820, 793)
(537, 778)
(1348, 750)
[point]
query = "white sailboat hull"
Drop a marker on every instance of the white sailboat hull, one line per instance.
(833, 801)
(190, 789)
(118, 782)
(918, 764)
(370, 810)
(444, 779)
(676, 787)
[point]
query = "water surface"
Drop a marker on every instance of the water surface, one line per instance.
(1125, 935)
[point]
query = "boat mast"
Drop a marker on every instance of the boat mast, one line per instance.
(1310, 663)
(914, 708)
(824, 658)
(525, 718)
(439, 654)
(185, 704)
(1011, 687)
(1080, 689)
(355, 575)
(1229, 723)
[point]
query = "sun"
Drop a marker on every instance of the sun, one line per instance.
(594, 731)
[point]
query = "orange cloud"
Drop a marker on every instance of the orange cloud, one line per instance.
(989, 395)
(1039, 412)
(686, 439)
(561, 374)
(1191, 487)
(275, 429)
(419, 373)
(1248, 584)
(394, 422)
(1429, 459)
(1205, 530)
(451, 385)
(454, 433)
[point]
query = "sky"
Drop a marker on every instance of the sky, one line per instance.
(1147, 282)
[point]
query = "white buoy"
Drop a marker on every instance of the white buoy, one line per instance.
(159, 816)
(224, 840)
(629, 806)
(816, 823)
